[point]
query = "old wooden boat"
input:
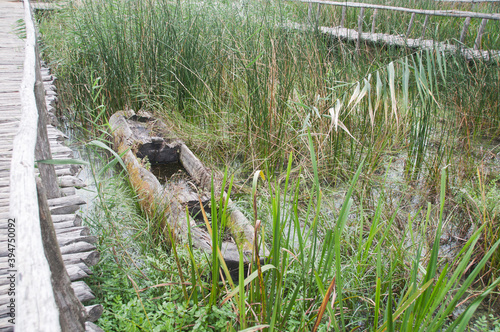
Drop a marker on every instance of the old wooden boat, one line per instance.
(148, 148)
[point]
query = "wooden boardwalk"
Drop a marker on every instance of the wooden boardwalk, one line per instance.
(75, 242)
(11, 73)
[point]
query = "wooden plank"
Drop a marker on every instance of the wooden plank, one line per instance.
(35, 293)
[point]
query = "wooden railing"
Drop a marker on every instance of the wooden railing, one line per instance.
(45, 298)
(428, 13)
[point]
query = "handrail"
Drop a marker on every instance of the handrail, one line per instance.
(447, 13)
(45, 298)
(35, 297)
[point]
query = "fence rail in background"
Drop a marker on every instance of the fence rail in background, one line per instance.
(468, 15)
(468, 1)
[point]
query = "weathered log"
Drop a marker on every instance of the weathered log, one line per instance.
(91, 327)
(65, 224)
(67, 191)
(71, 181)
(75, 272)
(77, 247)
(68, 238)
(68, 217)
(82, 291)
(73, 231)
(65, 209)
(94, 312)
(90, 258)
(173, 199)
(69, 200)
(72, 314)
(43, 149)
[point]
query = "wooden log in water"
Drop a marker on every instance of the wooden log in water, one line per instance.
(176, 196)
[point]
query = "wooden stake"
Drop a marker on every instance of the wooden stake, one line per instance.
(374, 20)
(426, 21)
(360, 28)
(342, 21)
(464, 30)
(410, 26)
(480, 31)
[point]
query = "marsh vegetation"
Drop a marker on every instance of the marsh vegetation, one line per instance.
(374, 174)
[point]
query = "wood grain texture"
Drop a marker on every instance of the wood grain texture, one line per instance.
(35, 296)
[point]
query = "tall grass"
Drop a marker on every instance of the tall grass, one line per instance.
(234, 71)
(321, 274)
(318, 118)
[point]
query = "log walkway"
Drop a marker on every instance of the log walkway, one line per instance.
(57, 214)
(402, 40)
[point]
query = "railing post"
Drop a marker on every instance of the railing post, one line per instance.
(309, 12)
(410, 25)
(318, 13)
(375, 12)
(464, 30)
(342, 21)
(360, 28)
(480, 31)
(426, 21)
